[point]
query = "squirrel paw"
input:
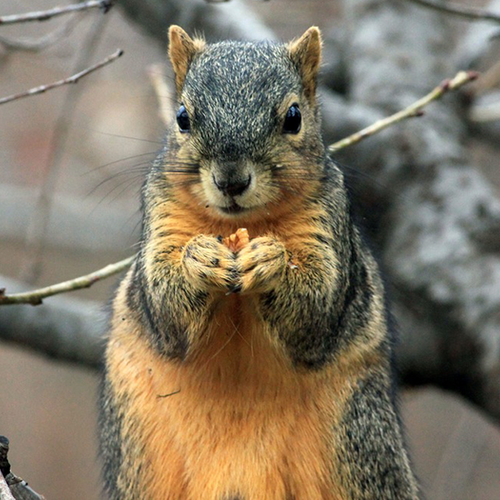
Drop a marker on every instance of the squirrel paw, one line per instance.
(262, 264)
(209, 265)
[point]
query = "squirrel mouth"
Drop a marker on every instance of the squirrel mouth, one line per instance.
(233, 209)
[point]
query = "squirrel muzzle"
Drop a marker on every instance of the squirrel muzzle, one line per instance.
(232, 179)
(231, 186)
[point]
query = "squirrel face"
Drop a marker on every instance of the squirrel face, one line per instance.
(248, 119)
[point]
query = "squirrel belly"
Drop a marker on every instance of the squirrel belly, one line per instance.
(261, 370)
(235, 422)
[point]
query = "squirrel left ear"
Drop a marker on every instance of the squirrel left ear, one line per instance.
(306, 55)
(181, 50)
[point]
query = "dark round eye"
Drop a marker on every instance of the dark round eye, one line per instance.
(293, 120)
(183, 119)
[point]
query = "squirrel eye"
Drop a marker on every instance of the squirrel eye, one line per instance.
(183, 119)
(293, 120)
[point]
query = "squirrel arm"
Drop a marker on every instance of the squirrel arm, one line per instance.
(304, 301)
(177, 286)
(317, 288)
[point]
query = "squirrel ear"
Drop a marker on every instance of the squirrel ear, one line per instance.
(181, 50)
(306, 55)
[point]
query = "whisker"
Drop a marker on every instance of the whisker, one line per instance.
(180, 171)
(120, 160)
(127, 186)
(106, 197)
(185, 183)
(119, 136)
(136, 173)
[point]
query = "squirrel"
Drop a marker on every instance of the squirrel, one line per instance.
(259, 366)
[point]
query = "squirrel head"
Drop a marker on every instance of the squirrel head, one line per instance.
(247, 123)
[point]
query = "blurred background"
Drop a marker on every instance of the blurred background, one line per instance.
(101, 135)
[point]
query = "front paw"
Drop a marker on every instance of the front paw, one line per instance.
(209, 265)
(262, 263)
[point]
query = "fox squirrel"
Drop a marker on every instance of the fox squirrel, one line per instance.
(249, 365)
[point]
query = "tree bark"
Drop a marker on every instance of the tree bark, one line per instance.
(62, 328)
(440, 233)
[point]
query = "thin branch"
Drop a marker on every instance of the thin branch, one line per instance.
(413, 110)
(13, 487)
(38, 44)
(36, 297)
(459, 10)
(71, 79)
(39, 223)
(43, 15)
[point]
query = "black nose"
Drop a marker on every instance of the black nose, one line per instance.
(233, 187)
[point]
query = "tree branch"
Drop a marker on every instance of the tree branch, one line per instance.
(66, 329)
(232, 20)
(43, 15)
(459, 10)
(439, 230)
(5, 493)
(13, 487)
(65, 81)
(38, 44)
(411, 111)
(35, 297)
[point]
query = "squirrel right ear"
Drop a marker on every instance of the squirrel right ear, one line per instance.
(306, 55)
(181, 50)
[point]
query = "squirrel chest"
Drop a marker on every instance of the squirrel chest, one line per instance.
(235, 422)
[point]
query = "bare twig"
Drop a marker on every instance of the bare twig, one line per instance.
(37, 229)
(71, 79)
(43, 15)
(36, 297)
(413, 110)
(459, 10)
(38, 44)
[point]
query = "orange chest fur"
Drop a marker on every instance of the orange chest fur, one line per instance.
(235, 419)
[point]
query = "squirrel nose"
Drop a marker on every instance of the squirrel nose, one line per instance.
(233, 187)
